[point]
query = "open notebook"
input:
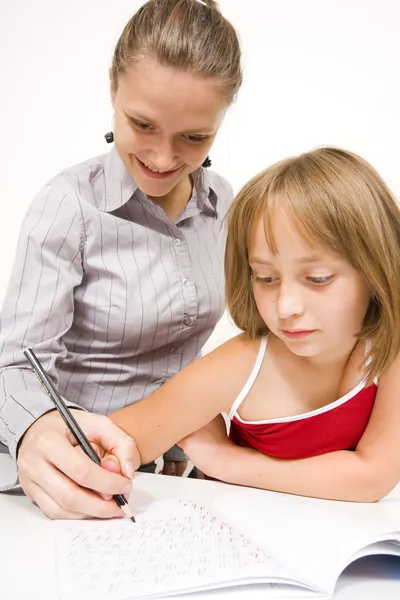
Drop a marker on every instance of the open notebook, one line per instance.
(297, 547)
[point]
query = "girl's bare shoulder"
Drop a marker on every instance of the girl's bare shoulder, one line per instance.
(232, 363)
(239, 349)
(235, 358)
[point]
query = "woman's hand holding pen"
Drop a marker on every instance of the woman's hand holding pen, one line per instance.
(62, 480)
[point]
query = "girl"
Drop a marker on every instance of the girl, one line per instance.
(118, 279)
(312, 386)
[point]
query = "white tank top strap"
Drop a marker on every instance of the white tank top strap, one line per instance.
(251, 379)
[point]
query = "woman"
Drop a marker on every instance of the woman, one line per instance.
(118, 280)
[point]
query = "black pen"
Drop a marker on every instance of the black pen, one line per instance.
(72, 424)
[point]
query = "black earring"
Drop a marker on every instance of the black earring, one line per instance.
(109, 137)
(207, 162)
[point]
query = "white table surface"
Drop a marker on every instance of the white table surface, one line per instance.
(27, 565)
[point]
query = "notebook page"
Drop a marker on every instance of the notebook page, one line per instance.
(390, 548)
(174, 546)
(319, 537)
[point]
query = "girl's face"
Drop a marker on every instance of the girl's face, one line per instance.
(308, 296)
(165, 123)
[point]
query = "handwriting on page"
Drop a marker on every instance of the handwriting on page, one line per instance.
(173, 547)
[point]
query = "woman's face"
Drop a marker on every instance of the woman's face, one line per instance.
(165, 123)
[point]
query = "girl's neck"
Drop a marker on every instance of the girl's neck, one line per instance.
(314, 382)
(335, 363)
(335, 359)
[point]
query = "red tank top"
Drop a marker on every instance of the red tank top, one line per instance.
(337, 426)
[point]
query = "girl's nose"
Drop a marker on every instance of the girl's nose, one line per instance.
(290, 302)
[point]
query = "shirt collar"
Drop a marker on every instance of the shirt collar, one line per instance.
(119, 186)
(205, 194)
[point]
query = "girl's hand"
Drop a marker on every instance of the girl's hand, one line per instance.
(209, 447)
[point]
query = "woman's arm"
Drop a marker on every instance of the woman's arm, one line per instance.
(38, 308)
(365, 475)
(189, 400)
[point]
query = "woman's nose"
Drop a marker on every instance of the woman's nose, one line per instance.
(164, 157)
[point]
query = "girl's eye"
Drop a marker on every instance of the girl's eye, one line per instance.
(140, 125)
(265, 280)
(323, 280)
(196, 139)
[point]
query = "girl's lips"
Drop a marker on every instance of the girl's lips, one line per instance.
(295, 335)
(154, 175)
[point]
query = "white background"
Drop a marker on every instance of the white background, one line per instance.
(316, 72)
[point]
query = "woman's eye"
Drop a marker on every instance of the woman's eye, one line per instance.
(140, 125)
(322, 280)
(196, 139)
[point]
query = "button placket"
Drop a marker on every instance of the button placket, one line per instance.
(189, 295)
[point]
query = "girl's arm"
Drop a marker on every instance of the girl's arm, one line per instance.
(365, 475)
(189, 400)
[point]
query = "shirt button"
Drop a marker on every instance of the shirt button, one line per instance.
(177, 242)
(185, 281)
(173, 350)
(187, 321)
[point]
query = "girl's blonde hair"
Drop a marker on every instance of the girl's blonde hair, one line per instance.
(335, 198)
(182, 34)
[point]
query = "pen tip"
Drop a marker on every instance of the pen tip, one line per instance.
(128, 512)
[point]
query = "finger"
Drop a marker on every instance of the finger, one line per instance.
(104, 432)
(48, 505)
(81, 469)
(100, 451)
(74, 499)
(111, 463)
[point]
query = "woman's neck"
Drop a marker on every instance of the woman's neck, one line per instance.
(175, 201)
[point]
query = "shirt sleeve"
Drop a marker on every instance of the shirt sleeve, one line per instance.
(38, 308)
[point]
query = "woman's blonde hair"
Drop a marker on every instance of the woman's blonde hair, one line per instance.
(335, 198)
(189, 35)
